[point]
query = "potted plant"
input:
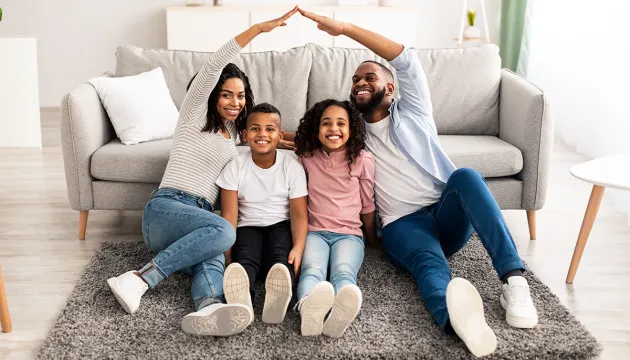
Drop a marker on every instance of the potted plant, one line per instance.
(472, 32)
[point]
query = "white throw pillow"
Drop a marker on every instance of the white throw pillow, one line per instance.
(140, 106)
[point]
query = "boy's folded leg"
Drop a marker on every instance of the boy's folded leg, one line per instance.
(345, 309)
(218, 320)
(465, 310)
(314, 306)
(278, 287)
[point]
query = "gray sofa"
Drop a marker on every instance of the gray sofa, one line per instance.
(488, 118)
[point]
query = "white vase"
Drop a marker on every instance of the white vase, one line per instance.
(472, 32)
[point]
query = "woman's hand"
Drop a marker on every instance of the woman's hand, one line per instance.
(331, 26)
(295, 259)
(286, 144)
(267, 26)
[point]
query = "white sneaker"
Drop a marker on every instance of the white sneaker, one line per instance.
(344, 310)
(236, 286)
(465, 310)
(278, 294)
(314, 307)
(218, 320)
(520, 311)
(128, 289)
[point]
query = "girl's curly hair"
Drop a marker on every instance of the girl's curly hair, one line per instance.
(215, 123)
(307, 135)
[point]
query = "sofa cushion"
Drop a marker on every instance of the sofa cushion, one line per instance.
(144, 162)
(279, 78)
(464, 83)
(489, 155)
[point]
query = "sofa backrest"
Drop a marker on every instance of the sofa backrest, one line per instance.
(464, 83)
(280, 78)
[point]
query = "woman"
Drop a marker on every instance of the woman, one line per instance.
(178, 223)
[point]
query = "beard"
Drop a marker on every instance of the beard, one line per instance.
(371, 105)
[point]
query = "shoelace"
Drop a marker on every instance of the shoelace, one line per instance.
(519, 294)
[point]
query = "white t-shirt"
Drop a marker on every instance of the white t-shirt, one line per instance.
(263, 194)
(400, 188)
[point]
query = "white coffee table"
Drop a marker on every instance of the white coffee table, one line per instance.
(610, 171)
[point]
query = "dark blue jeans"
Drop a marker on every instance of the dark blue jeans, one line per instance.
(420, 242)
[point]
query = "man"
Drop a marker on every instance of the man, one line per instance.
(428, 208)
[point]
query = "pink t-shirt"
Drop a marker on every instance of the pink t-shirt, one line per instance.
(337, 195)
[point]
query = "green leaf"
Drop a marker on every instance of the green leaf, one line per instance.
(471, 17)
(0, 14)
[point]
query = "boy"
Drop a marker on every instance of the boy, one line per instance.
(263, 195)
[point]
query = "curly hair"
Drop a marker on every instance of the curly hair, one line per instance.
(215, 123)
(307, 135)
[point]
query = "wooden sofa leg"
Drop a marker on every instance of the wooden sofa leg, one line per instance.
(83, 217)
(5, 319)
(531, 220)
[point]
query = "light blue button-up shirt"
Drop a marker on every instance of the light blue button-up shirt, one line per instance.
(413, 129)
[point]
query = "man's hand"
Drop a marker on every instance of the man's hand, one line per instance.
(295, 258)
(285, 144)
(267, 26)
(331, 26)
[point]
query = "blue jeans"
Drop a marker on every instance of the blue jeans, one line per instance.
(186, 235)
(420, 242)
(346, 256)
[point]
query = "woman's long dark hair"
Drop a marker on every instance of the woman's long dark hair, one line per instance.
(307, 136)
(215, 123)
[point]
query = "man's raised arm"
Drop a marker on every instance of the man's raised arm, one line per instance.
(379, 44)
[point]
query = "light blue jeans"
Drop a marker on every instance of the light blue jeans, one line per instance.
(186, 235)
(345, 253)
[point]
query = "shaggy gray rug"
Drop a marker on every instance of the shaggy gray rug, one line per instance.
(393, 324)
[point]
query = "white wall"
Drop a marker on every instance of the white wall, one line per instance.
(77, 39)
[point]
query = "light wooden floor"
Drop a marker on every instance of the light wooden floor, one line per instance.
(42, 259)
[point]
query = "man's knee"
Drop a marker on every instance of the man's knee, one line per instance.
(466, 176)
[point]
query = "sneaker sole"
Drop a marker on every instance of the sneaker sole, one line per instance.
(278, 294)
(115, 288)
(465, 309)
(226, 321)
(313, 311)
(344, 310)
(517, 322)
(236, 286)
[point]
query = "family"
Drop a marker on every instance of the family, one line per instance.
(371, 162)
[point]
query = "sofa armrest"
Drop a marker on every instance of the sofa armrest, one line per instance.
(85, 127)
(525, 122)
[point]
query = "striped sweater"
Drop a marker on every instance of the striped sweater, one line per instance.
(197, 158)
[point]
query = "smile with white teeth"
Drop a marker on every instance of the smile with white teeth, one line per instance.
(261, 142)
(362, 92)
(232, 112)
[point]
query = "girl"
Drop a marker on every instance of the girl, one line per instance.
(330, 142)
(178, 223)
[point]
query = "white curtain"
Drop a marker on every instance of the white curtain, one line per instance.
(578, 52)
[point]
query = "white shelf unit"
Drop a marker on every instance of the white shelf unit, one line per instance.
(206, 28)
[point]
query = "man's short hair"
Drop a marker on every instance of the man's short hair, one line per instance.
(388, 73)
